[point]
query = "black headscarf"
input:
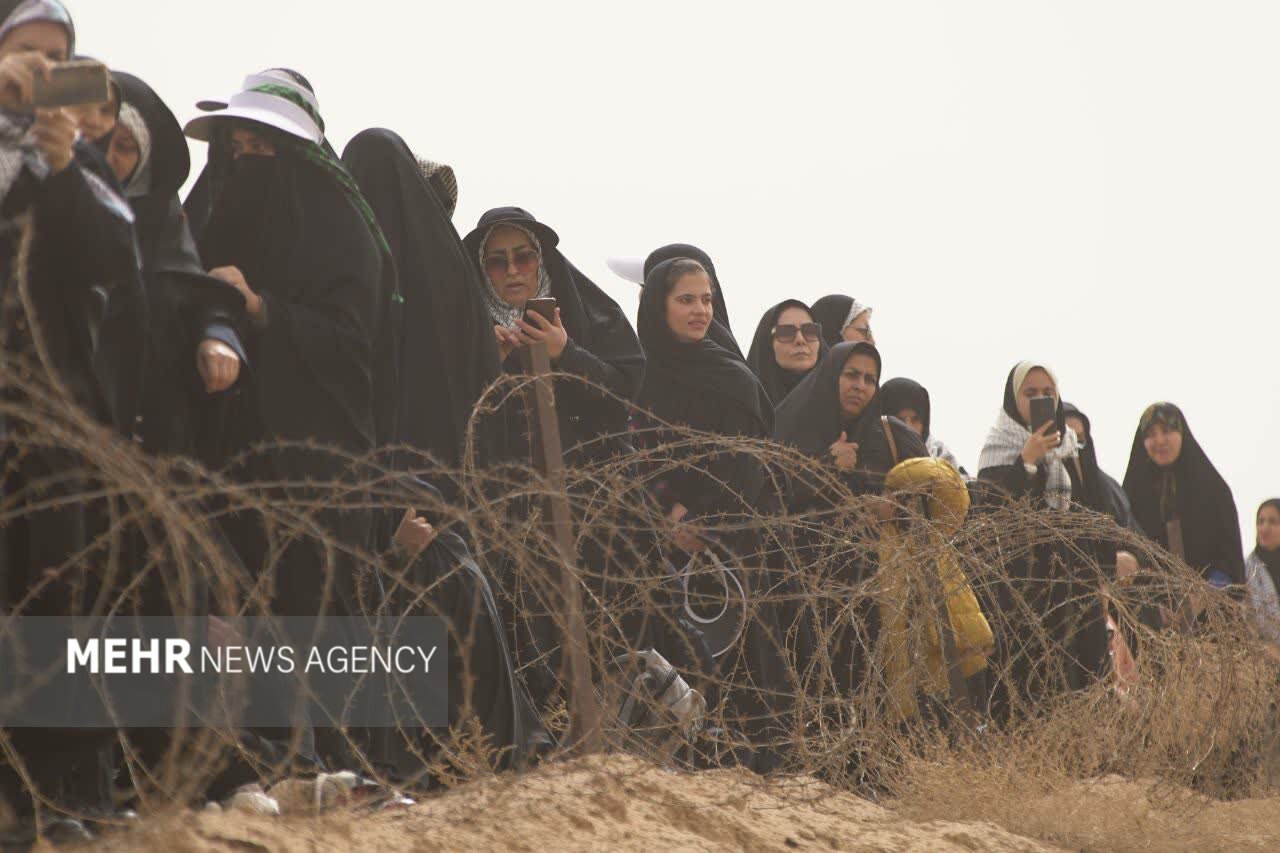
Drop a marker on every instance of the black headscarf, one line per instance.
(1192, 491)
(833, 313)
(1101, 492)
(811, 418)
(1270, 559)
(591, 317)
(778, 383)
(447, 354)
(720, 332)
(719, 375)
(902, 393)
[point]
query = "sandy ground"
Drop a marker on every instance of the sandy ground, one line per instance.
(620, 803)
(616, 803)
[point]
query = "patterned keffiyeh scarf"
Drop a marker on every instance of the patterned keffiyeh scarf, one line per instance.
(504, 313)
(1004, 447)
(18, 150)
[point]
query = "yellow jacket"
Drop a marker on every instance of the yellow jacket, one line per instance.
(903, 569)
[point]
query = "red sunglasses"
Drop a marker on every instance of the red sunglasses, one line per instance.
(524, 260)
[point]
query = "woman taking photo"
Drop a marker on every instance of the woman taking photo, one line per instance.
(787, 346)
(1057, 639)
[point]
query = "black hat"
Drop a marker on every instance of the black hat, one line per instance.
(509, 216)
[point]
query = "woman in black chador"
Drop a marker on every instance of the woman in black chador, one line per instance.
(787, 347)
(289, 229)
(691, 381)
(1056, 638)
(588, 336)
(1177, 494)
(186, 344)
(447, 354)
(835, 417)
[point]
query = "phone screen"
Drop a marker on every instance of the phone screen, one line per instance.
(1043, 410)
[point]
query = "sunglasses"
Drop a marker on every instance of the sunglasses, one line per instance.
(524, 260)
(788, 331)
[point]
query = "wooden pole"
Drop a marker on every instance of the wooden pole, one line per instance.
(584, 712)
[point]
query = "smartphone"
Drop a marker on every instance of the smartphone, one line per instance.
(1043, 410)
(545, 307)
(71, 84)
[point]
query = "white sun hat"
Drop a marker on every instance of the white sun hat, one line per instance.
(251, 103)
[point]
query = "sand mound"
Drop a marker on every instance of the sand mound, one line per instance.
(600, 803)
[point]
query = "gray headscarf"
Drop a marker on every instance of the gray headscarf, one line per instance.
(503, 312)
(139, 183)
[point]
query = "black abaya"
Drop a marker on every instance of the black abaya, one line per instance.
(1192, 492)
(448, 354)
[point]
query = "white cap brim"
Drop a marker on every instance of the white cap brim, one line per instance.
(259, 107)
(631, 269)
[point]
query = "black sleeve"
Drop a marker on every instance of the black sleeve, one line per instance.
(75, 207)
(578, 361)
(1014, 480)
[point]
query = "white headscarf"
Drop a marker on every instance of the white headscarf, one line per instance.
(855, 311)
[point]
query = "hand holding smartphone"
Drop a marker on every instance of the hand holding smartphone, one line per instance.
(546, 308)
(1044, 410)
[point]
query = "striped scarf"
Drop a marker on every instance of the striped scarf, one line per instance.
(1004, 447)
(323, 159)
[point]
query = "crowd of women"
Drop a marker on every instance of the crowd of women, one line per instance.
(301, 298)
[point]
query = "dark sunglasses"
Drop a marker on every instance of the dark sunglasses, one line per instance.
(497, 264)
(788, 331)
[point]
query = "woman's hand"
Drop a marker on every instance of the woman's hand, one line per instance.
(845, 453)
(231, 275)
(414, 534)
(1126, 567)
(218, 365)
(545, 331)
(1041, 443)
(687, 537)
(55, 135)
(17, 78)
(508, 342)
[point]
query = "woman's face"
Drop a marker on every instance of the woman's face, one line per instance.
(43, 37)
(799, 354)
(859, 382)
(1076, 423)
(859, 329)
(689, 307)
(512, 262)
(123, 153)
(911, 418)
(1163, 445)
(96, 120)
(1037, 384)
(249, 141)
(1269, 528)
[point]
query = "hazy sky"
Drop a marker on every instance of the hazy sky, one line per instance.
(1095, 185)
